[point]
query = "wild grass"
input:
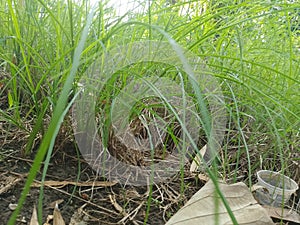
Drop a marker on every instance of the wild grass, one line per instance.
(250, 47)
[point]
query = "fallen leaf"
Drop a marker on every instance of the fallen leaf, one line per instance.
(203, 177)
(282, 213)
(201, 208)
(53, 204)
(197, 160)
(8, 182)
(49, 218)
(61, 184)
(34, 219)
(57, 217)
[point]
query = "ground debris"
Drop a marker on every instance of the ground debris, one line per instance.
(8, 182)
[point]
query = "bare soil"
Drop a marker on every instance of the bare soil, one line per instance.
(99, 203)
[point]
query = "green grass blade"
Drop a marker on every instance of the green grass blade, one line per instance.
(55, 122)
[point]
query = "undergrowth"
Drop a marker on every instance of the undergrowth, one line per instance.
(250, 47)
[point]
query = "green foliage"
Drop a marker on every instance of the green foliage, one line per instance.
(251, 47)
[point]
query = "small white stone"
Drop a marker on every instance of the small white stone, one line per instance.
(12, 206)
(23, 220)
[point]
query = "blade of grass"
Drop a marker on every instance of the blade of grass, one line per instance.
(55, 121)
(48, 158)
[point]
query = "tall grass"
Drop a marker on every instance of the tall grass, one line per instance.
(251, 47)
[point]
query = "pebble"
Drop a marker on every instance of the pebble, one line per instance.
(12, 206)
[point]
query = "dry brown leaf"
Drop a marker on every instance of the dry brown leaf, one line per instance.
(197, 160)
(61, 184)
(53, 204)
(203, 177)
(49, 218)
(34, 218)
(57, 217)
(282, 213)
(201, 208)
(8, 182)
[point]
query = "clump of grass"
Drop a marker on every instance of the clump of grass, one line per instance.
(252, 48)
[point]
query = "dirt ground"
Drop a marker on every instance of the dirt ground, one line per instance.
(99, 202)
(82, 195)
